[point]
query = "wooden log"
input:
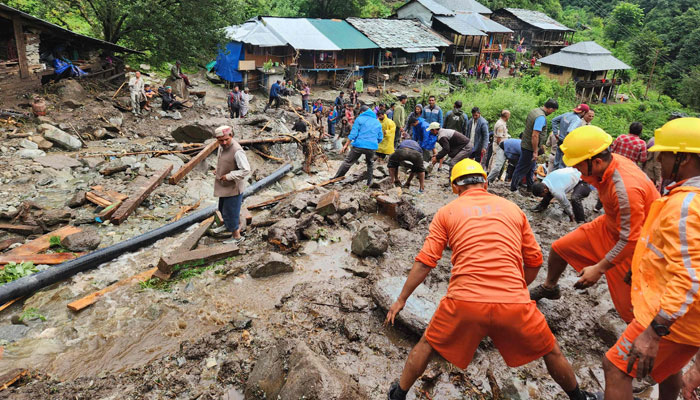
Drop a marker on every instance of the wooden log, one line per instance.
(9, 303)
(284, 196)
(133, 202)
(207, 255)
(9, 242)
(177, 177)
(21, 47)
(93, 198)
(107, 213)
(21, 229)
(191, 241)
(37, 259)
(93, 297)
(284, 139)
(42, 243)
(11, 377)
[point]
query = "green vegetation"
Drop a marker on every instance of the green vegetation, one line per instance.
(56, 246)
(30, 314)
(14, 271)
(183, 272)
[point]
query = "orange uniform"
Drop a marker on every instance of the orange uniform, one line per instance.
(490, 239)
(626, 193)
(666, 279)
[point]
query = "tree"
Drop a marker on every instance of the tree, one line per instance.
(332, 8)
(643, 50)
(624, 21)
(689, 89)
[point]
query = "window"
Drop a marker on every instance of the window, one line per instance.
(556, 70)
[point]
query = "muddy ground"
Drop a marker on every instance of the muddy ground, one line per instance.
(315, 332)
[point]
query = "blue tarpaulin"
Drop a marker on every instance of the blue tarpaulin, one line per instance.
(227, 62)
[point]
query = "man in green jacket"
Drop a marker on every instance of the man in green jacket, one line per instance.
(399, 118)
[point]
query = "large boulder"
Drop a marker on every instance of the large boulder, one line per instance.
(70, 90)
(271, 264)
(60, 138)
(370, 240)
(87, 240)
(179, 87)
(419, 308)
(292, 371)
(198, 131)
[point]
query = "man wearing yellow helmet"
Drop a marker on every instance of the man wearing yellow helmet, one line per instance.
(665, 332)
(606, 244)
(487, 294)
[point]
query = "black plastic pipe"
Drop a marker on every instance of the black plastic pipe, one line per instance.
(32, 283)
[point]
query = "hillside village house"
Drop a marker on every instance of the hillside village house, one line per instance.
(534, 30)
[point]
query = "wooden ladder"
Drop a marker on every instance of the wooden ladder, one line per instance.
(412, 76)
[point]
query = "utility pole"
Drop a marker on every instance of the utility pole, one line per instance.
(652, 72)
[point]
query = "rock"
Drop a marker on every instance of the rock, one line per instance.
(271, 264)
(350, 206)
(54, 217)
(87, 240)
(113, 167)
(179, 87)
(117, 120)
(93, 162)
(70, 89)
(388, 205)
(384, 184)
(408, 215)
(609, 328)
(12, 333)
(353, 329)
(58, 161)
(45, 181)
(77, 200)
(370, 240)
(328, 204)
(72, 104)
(308, 376)
(402, 237)
(60, 138)
(174, 114)
(283, 234)
(367, 204)
(28, 144)
(161, 163)
(102, 133)
(419, 308)
(199, 131)
(30, 154)
(83, 217)
(43, 143)
(349, 300)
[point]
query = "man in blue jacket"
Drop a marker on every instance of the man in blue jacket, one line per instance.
(562, 125)
(422, 135)
(478, 133)
(365, 136)
(432, 112)
(274, 95)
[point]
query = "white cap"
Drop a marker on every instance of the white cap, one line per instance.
(222, 130)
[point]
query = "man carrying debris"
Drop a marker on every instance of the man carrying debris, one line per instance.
(665, 332)
(453, 144)
(232, 168)
(176, 73)
(410, 155)
(386, 147)
(137, 92)
(274, 95)
(562, 125)
(556, 185)
(604, 245)
(487, 294)
(478, 133)
(365, 136)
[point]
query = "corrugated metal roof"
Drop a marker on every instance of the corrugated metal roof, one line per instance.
(460, 6)
(299, 33)
(472, 24)
(538, 19)
(253, 32)
(586, 56)
(54, 27)
(435, 7)
(420, 49)
(343, 34)
(398, 33)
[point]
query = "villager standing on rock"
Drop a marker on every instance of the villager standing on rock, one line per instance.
(604, 245)
(665, 332)
(136, 90)
(232, 168)
(487, 294)
(176, 73)
(365, 136)
(533, 137)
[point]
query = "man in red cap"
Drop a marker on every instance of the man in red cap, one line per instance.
(562, 125)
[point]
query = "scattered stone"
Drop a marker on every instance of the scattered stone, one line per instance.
(241, 322)
(211, 362)
(161, 163)
(419, 308)
(43, 143)
(388, 205)
(328, 204)
(93, 162)
(113, 167)
(174, 114)
(402, 237)
(77, 200)
(83, 217)
(283, 234)
(72, 104)
(28, 144)
(53, 217)
(367, 204)
(70, 89)
(58, 161)
(271, 264)
(116, 121)
(30, 154)
(408, 215)
(370, 240)
(87, 240)
(353, 329)
(349, 300)
(60, 138)
(351, 206)
(45, 181)
(12, 333)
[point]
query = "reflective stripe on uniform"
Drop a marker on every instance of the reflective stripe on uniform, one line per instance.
(623, 203)
(687, 262)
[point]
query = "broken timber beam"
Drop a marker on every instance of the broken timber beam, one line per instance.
(177, 177)
(206, 255)
(43, 243)
(284, 196)
(248, 142)
(37, 259)
(100, 201)
(11, 377)
(21, 229)
(107, 213)
(93, 297)
(191, 241)
(134, 201)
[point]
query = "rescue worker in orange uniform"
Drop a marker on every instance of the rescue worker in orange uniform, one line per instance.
(487, 294)
(665, 332)
(606, 244)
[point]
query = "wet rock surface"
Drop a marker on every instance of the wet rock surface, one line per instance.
(271, 264)
(419, 308)
(370, 240)
(86, 240)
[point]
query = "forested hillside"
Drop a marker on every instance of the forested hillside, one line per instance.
(648, 34)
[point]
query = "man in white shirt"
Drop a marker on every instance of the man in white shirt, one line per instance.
(137, 93)
(498, 156)
(556, 185)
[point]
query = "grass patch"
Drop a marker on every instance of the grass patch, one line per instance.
(31, 313)
(56, 246)
(183, 272)
(14, 271)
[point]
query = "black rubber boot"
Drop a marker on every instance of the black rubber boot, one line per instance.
(396, 393)
(344, 168)
(541, 292)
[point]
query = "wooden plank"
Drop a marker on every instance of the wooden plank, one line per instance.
(133, 202)
(284, 196)
(177, 177)
(9, 242)
(9, 303)
(191, 241)
(207, 255)
(100, 191)
(41, 243)
(37, 259)
(11, 377)
(21, 47)
(93, 297)
(21, 229)
(108, 212)
(93, 198)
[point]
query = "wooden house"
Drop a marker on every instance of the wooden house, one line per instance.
(534, 30)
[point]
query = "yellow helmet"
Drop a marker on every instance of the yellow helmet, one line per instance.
(679, 135)
(583, 143)
(466, 167)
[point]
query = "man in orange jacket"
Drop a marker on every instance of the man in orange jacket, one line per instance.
(487, 294)
(606, 244)
(665, 332)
